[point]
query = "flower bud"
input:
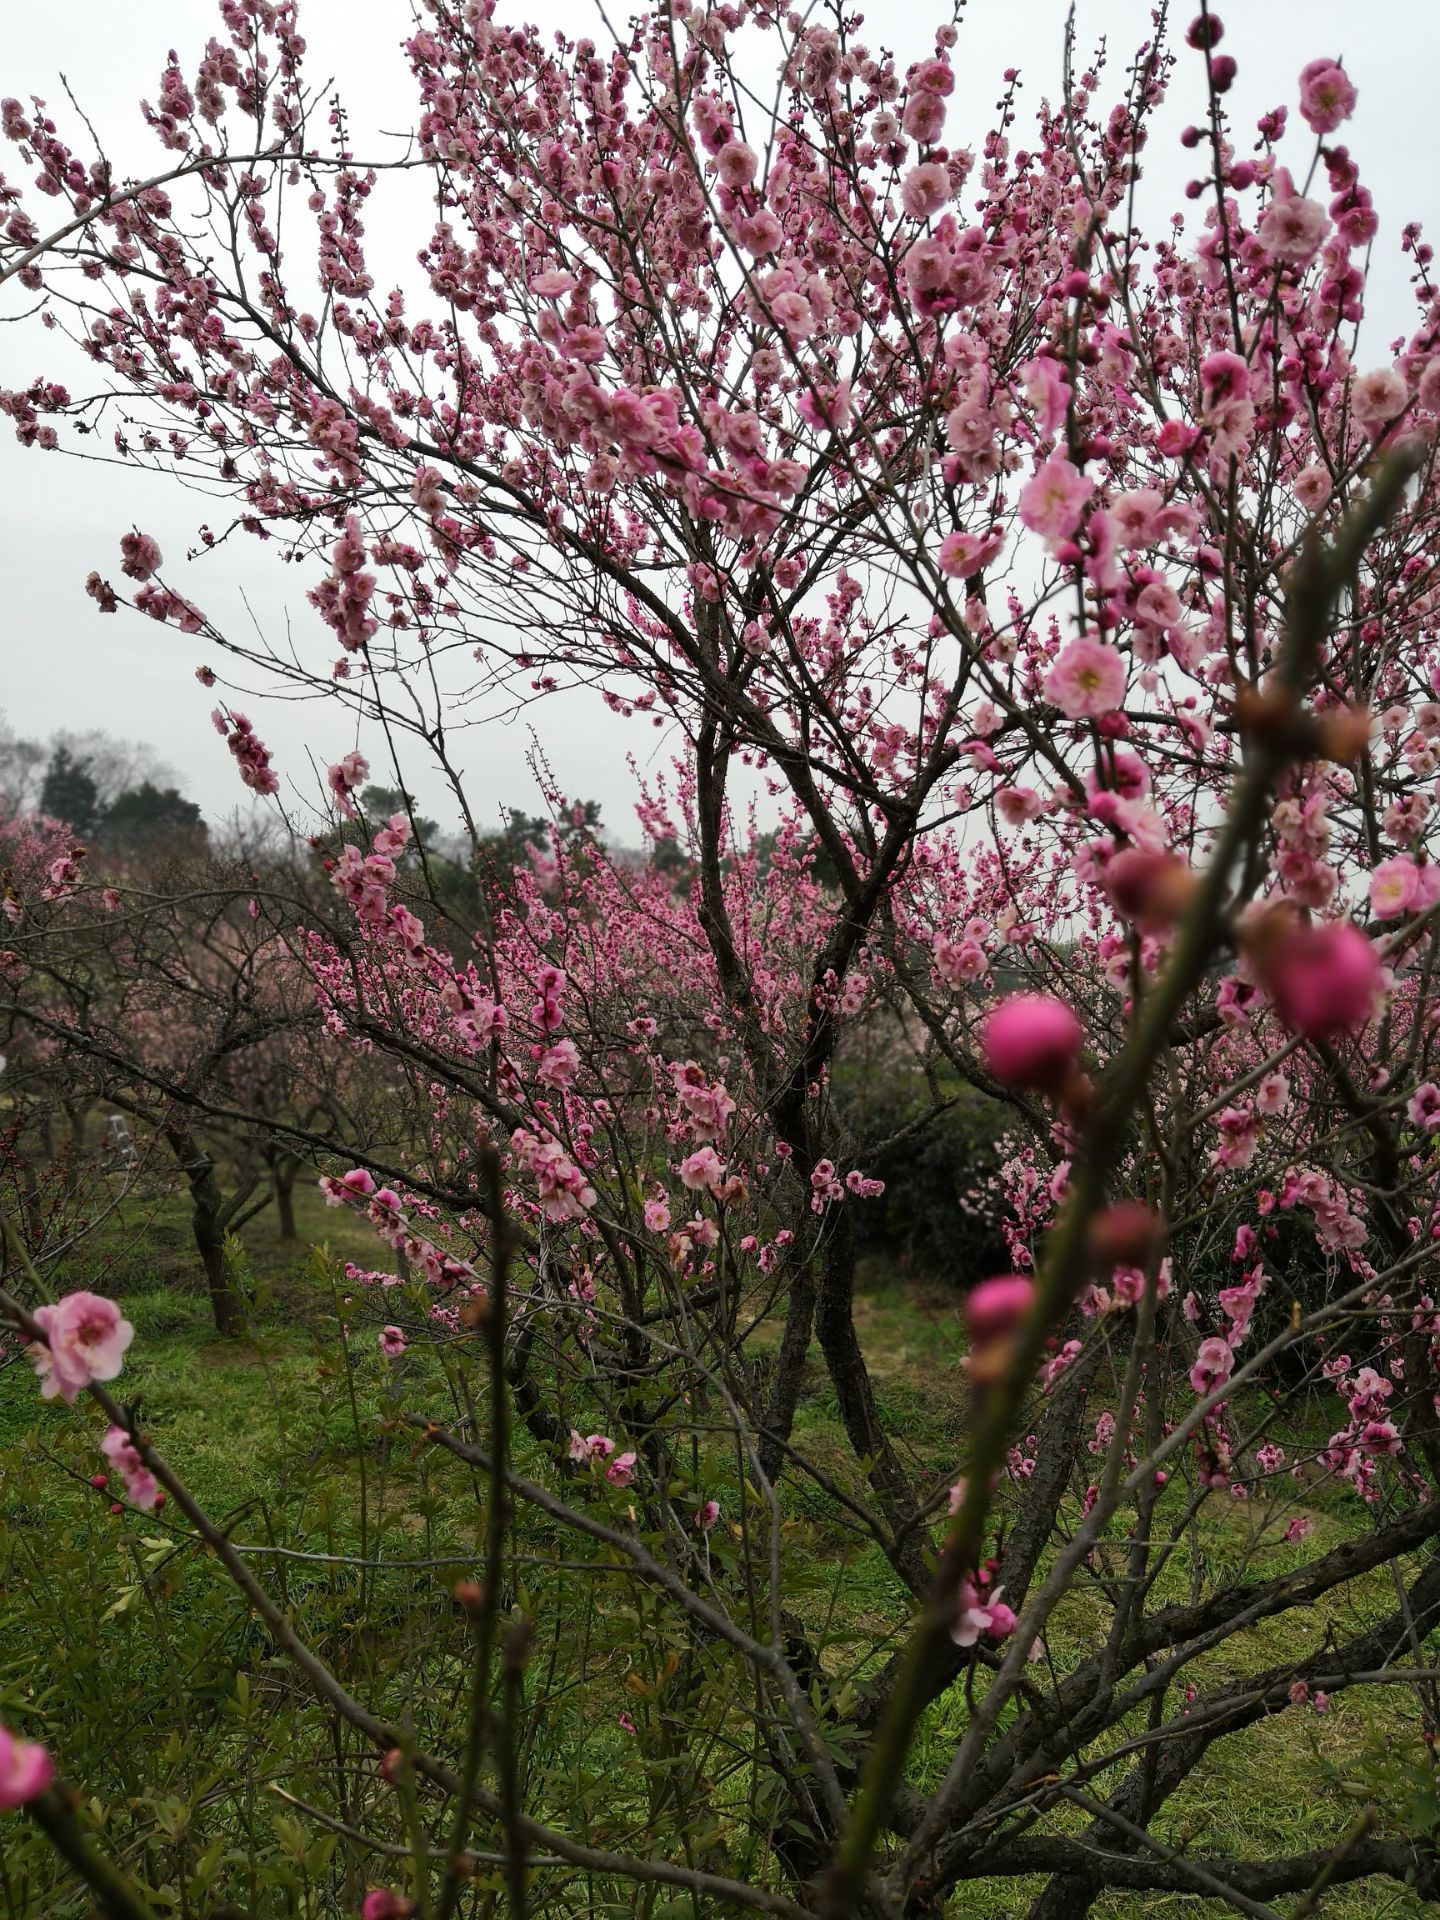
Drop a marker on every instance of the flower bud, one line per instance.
(1126, 1235)
(1031, 1040)
(1151, 890)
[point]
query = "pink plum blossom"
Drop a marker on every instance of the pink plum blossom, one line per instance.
(703, 1170)
(1016, 805)
(1293, 229)
(1327, 95)
(1213, 1366)
(962, 554)
(85, 1339)
(1051, 502)
(978, 1613)
(141, 556)
(736, 164)
(1395, 887)
(1087, 680)
(1312, 488)
(1378, 396)
(925, 189)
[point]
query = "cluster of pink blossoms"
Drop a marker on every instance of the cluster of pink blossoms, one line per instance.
(385, 1209)
(980, 1612)
(344, 778)
(363, 881)
(598, 1447)
(251, 754)
(141, 1487)
(140, 556)
(564, 1191)
(344, 598)
(1370, 1434)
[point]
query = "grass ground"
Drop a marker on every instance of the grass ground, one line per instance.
(268, 1431)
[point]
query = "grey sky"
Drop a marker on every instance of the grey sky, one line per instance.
(65, 666)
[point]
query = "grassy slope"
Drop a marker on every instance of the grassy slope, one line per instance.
(232, 1416)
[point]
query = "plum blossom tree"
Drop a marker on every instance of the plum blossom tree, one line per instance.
(1065, 598)
(168, 1005)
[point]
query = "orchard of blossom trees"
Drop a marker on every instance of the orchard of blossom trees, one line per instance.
(1041, 620)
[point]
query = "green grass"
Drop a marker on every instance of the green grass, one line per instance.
(269, 1432)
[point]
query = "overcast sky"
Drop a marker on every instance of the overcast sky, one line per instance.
(67, 667)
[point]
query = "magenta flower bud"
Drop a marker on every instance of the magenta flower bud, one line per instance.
(1323, 980)
(996, 1307)
(26, 1770)
(1031, 1040)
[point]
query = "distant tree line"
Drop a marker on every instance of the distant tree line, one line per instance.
(114, 794)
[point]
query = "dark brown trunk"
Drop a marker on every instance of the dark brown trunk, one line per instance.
(208, 1216)
(285, 1173)
(835, 1325)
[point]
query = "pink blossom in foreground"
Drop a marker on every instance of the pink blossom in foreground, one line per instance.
(26, 1770)
(621, 1469)
(85, 1340)
(1087, 680)
(141, 1487)
(1031, 1040)
(393, 1342)
(707, 1515)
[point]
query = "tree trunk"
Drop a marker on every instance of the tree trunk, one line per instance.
(208, 1220)
(286, 1169)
